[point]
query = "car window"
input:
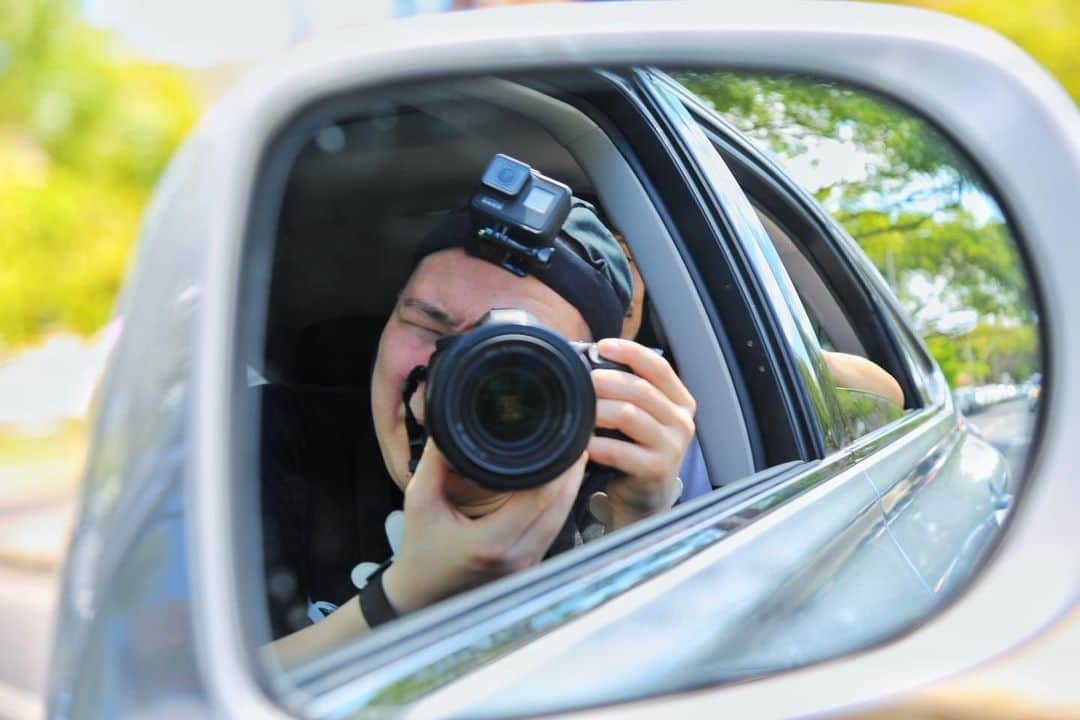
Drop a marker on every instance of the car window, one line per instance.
(867, 396)
(915, 208)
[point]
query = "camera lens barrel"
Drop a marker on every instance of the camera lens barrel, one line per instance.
(510, 406)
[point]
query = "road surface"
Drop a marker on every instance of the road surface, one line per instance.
(1008, 427)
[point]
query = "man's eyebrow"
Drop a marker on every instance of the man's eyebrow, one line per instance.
(435, 313)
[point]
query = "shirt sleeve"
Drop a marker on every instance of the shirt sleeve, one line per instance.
(693, 473)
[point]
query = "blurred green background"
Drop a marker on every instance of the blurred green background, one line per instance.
(85, 129)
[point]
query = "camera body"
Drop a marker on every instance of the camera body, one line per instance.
(510, 403)
(530, 206)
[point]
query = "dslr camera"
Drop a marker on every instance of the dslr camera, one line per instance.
(510, 403)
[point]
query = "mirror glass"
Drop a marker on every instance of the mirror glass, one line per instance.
(796, 269)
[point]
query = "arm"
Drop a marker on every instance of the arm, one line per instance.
(858, 373)
(345, 622)
(445, 551)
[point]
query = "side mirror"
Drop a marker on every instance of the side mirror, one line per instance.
(218, 215)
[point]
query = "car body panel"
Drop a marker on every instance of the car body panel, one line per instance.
(796, 586)
(163, 409)
(944, 512)
(140, 643)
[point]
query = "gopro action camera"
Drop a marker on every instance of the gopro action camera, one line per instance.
(518, 213)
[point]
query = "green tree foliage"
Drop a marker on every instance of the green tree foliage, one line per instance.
(85, 129)
(977, 265)
(905, 208)
(786, 112)
(990, 352)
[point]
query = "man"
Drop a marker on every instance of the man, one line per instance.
(326, 504)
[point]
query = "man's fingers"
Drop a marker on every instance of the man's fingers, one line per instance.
(630, 420)
(648, 365)
(534, 542)
(628, 457)
(524, 507)
(425, 487)
(619, 385)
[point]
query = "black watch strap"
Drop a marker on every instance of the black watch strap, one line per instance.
(374, 604)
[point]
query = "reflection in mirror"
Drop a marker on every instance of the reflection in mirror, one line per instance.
(864, 411)
(429, 396)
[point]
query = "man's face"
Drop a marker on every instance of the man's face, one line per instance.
(447, 294)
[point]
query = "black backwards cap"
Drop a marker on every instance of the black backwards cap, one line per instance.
(588, 267)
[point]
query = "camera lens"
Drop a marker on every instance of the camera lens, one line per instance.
(510, 406)
(512, 398)
(507, 175)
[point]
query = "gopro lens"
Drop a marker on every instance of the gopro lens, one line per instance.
(505, 175)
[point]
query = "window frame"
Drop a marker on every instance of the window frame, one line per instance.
(799, 364)
(849, 275)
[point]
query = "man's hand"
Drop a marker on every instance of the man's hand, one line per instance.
(444, 551)
(656, 412)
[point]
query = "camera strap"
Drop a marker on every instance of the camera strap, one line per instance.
(416, 432)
